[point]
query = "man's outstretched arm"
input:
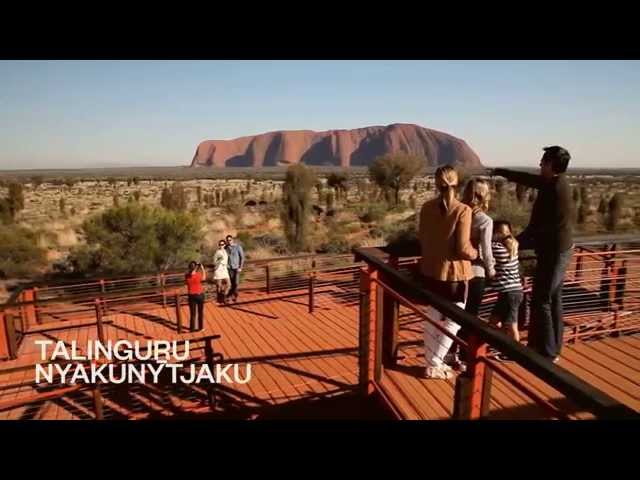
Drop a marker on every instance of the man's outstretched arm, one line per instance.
(526, 179)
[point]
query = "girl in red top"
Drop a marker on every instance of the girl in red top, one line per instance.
(194, 278)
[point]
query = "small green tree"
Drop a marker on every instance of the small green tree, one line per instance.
(394, 172)
(615, 211)
(576, 195)
(329, 200)
(174, 197)
(137, 238)
(603, 207)
(296, 205)
(20, 254)
(36, 181)
(338, 181)
(583, 210)
(15, 199)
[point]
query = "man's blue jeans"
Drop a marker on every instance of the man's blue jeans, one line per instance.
(547, 327)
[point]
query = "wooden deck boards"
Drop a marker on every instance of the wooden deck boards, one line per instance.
(609, 363)
(296, 355)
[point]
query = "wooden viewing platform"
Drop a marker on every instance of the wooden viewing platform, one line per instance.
(304, 340)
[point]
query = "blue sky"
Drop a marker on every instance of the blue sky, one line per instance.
(82, 114)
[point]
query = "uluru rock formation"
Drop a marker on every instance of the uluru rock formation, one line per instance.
(344, 148)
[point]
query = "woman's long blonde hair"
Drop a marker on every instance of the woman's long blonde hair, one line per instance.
(477, 194)
(446, 180)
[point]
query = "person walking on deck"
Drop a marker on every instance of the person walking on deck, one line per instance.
(236, 263)
(445, 266)
(549, 233)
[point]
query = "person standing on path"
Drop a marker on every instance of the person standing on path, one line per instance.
(550, 234)
(445, 267)
(236, 263)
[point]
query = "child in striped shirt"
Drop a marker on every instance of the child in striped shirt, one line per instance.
(506, 280)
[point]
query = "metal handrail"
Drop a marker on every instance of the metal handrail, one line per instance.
(579, 391)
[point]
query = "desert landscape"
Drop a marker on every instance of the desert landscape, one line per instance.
(348, 210)
(285, 200)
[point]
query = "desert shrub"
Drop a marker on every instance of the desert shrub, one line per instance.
(62, 205)
(136, 238)
(36, 181)
(374, 213)
(505, 207)
(246, 240)
(271, 241)
(405, 235)
(521, 192)
(174, 197)
(335, 244)
(20, 254)
(136, 195)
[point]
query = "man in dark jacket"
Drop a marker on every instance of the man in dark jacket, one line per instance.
(549, 233)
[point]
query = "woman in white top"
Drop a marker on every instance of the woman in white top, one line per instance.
(477, 196)
(221, 271)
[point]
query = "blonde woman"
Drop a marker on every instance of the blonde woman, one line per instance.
(221, 271)
(477, 195)
(445, 266)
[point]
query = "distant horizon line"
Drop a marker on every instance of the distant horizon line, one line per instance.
(274, 167)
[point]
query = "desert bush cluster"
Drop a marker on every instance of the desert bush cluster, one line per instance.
(134, 224)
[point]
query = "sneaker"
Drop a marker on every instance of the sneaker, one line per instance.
(451, 359)
(443, 372)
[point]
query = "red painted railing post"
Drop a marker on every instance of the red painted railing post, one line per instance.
(164, 296)
(29, 310)
(473, 388)
(267, 278)
(98, 402)
(367, 334)
(390, 324)
(5, 335)
(35, 306)
(311, 292)
(179, 312)
(579, 260)
(99, 325)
